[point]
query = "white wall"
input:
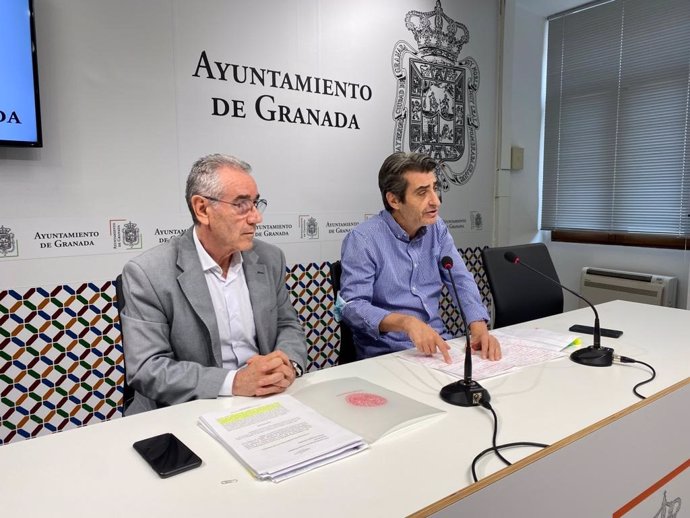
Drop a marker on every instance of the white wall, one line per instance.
(119, 136)
(525, 43)
(107, 104)
(124, 118)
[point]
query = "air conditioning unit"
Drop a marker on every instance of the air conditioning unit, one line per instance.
(602, 285)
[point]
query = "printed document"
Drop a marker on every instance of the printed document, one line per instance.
(519, 347)
(280, 437)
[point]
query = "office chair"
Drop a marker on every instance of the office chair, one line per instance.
(518, 294)
(347, 353)
(127, 391)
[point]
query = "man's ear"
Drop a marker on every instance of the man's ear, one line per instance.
(393, 200)
(200, 206)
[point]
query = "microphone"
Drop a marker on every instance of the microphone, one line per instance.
(465, 392)
(593, 356)
(447, 263)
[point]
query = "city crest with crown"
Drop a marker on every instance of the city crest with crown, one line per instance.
(131, 236)
(8, 245)
(435, 110)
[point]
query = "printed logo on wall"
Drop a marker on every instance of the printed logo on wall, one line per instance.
(125, 235)
(276, 228)
(8, 245)
(308, 227)
(436, 98)
(476, 220)
(163, 235)
(456, 224)
(131, 236)
(340, 227)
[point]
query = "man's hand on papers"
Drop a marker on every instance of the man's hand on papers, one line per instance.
(426, 340)
(485, 342)
(422, 335)
(263, 375)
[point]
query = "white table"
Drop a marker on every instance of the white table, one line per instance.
(94, 471)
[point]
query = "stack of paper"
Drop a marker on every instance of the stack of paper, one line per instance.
(280, 437)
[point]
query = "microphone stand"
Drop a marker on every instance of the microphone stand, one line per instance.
(465, 392)
(593, 356)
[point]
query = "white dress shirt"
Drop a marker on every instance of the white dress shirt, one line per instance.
(233, 309)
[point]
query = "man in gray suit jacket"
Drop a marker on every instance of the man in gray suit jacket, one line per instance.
(208, 313)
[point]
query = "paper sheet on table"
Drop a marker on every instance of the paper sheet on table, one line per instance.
(516, 352)
(537, 337)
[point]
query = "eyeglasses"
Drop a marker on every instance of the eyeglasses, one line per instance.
(243, 207)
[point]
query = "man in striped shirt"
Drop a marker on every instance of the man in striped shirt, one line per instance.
(391, 274)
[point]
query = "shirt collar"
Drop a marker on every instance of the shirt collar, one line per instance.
(207, 262)
(397, 230)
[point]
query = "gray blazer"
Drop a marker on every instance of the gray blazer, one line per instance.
(169, 329)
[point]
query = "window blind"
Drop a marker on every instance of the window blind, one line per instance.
(616, 136)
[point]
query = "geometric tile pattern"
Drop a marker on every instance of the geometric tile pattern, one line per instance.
(450, 315)
(312, 295)
(61, 359)
(473, 260)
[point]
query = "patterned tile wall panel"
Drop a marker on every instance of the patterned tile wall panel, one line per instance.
(61, 362)
(450, 315)
(473, 260)
(312, 295)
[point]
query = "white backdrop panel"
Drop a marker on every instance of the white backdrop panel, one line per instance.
(127, 104)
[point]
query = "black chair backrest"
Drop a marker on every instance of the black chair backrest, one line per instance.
(119, 295)
(347, 353)
(520, 295)
(127, 392)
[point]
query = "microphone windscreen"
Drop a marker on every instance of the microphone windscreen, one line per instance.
(446, 262)
(511, 257)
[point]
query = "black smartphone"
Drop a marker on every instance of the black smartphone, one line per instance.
(608, 333)
(167, 455)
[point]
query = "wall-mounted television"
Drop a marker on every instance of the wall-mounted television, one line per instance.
(20, 114)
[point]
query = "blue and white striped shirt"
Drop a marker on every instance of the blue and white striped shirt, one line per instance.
(384, 271)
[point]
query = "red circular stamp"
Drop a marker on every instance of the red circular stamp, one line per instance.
(365, 399)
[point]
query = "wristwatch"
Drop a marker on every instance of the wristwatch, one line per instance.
(298, 368)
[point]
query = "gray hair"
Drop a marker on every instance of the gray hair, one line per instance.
(203, 178)
(391, 175)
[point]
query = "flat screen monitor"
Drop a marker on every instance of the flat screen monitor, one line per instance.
(20, 115)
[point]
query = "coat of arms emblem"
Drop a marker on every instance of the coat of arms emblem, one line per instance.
(436, 100)
(7, 241)
(131, 236)
(309, 227)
